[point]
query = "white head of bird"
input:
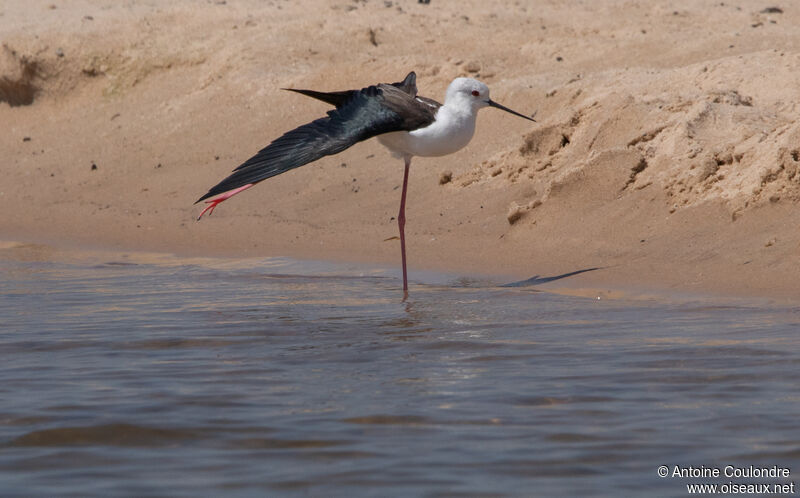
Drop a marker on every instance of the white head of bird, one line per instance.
(467, 94)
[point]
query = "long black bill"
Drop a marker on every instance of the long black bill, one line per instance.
(492, 103)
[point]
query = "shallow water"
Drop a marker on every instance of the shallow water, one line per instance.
(180, 378)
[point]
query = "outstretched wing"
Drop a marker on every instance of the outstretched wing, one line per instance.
(368, 112)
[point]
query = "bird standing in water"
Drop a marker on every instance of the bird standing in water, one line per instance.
(407, 124)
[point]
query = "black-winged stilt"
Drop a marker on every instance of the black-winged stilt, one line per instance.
(407, 124)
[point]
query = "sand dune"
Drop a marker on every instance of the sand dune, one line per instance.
(666, 150)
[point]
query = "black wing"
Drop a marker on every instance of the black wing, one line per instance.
(338, 99)
(368, 112)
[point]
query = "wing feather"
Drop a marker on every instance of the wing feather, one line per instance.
(338, 99)
(368, 112)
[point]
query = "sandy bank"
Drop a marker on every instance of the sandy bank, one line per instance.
(666, 150)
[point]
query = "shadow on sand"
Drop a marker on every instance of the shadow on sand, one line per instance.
(537, 280)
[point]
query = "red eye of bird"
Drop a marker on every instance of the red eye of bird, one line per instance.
(475, 93)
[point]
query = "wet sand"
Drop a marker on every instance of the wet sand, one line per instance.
(666, 148)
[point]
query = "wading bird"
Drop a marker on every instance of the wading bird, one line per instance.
(405, 123)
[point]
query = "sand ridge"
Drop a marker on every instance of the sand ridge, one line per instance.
(666, 150)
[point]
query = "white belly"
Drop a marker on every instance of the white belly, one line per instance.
(444, 136)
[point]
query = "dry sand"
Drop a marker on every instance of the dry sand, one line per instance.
(666, 150)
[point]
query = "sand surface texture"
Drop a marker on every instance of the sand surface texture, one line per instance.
(666, 150)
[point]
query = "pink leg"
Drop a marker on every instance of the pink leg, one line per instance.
(212, 203)
(401, 222)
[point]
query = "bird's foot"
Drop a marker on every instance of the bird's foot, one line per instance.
(212, 203)
(210, 208)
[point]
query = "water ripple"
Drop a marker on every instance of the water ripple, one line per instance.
(204, 378)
